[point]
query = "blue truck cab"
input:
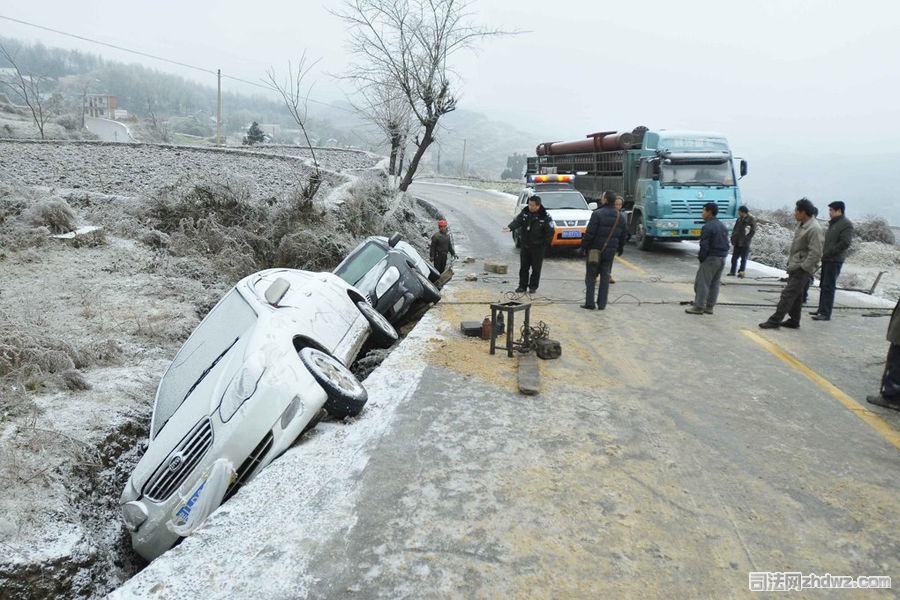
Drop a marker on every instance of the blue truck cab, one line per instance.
(677, 172)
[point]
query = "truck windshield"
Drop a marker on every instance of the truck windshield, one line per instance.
(562, 199)
(706, 174)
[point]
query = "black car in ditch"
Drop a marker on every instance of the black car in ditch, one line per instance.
(393, 275)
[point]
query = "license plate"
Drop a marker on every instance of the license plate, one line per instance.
(571, 234)
(695, 232)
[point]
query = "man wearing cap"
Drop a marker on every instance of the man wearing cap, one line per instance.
(441, 246)
(535, 231)
(743, 231)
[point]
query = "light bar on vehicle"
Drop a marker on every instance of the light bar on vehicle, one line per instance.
(552, 178)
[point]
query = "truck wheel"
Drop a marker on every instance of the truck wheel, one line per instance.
(643, 241)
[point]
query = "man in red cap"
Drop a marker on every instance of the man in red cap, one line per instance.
(441, 245)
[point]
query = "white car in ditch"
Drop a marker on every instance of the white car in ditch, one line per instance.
(257, 372)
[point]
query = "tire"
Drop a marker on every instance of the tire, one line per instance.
(430, 293)
(346, 395)
(383, 333)
(641, 239)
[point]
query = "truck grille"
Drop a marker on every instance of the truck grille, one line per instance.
(693, 206)
(180, 462)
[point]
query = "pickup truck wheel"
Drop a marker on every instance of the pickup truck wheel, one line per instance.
(346, 395)
(430, 293)
(383, 333)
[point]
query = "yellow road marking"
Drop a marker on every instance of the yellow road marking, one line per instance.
(631, 265)
(871, 419)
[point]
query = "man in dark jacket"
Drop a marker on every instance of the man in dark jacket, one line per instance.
(713, 250)
(837, 241)
(741, 235)
(535, 231)
(441, 246)
(605, 236)
(890, 380)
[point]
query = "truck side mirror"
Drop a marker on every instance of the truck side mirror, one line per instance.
(654, 169)
(743, 167)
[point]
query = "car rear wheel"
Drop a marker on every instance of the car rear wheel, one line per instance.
(430, 293)
(383, 333)
(346, 395)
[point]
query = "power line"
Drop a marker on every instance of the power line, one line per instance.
(154, 57)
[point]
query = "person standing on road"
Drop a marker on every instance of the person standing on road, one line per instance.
(889, 397)
(838, 237)
(603, 239)
(620, 202)
(804, 255)
(713, 250)
(534, 235)
(441, 246)
(743, 231)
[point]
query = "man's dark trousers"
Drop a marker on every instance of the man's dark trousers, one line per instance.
(831, 269)
(603, 269)
(791, 301)
(532, 258)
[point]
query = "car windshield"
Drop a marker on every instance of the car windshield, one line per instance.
(681, 174)
(562, 199)
(218, 332)
(361, 263)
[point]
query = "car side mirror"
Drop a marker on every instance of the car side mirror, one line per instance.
(592, 205)
(276, 291)
(392, 241)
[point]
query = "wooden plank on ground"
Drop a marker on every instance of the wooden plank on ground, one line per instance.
(529, 376)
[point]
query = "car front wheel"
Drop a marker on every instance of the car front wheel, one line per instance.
(346, 395)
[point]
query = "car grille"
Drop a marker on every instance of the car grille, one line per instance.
(249, 466)
(180, 462)
(572, 223)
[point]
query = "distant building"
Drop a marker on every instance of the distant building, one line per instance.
(101, 105)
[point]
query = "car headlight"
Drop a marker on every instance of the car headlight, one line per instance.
(242, 386)
(552, 224)
(388, 278)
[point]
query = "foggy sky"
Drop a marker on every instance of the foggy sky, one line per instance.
(783, 79)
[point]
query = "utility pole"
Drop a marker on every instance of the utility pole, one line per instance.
(462, 163)
(219, 108)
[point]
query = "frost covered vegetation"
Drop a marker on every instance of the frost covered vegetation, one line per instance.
(89, 322)
(873, 242)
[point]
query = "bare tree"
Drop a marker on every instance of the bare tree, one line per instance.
(159, 128)
(296, 101)
(408, 43)
(28, 89)
(385, 106)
